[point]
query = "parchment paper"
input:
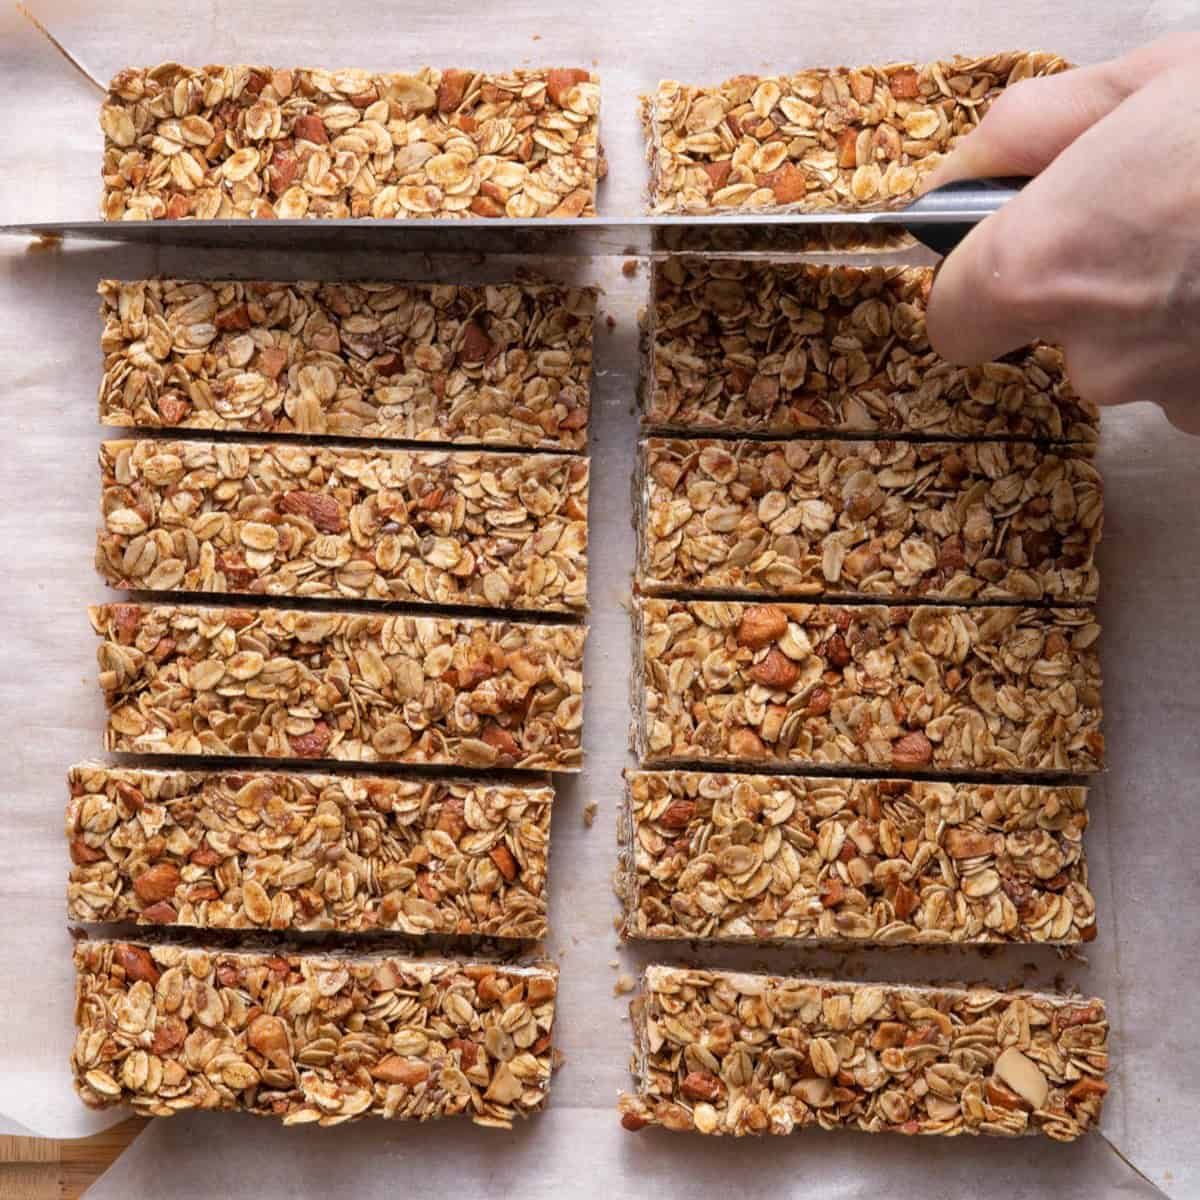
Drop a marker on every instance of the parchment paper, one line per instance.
(1146, 822)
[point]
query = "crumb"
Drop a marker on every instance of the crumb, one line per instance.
(617, 923)
(610, 321)
(537, 37)
(47, 243)
(614, 963)
(557, 1058)
(623, 986)
(629, 268)
(589, 813)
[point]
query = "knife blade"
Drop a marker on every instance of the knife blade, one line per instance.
(939, 219)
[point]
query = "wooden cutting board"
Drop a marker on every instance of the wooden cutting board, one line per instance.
(60, 1169)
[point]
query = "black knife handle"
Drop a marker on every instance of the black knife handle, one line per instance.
(981, 196)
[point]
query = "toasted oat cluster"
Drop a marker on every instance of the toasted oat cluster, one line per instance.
(925, 689)
(254, 141)
(952, 520)
(497, 365)
(725, 857)
(720, 1052)
(763, 347)
(291, 851)
(284, 683)
(819, 140)
(456, 527)
(308, 1038)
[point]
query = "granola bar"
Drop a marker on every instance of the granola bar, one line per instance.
(254, 141)
(497, 365)
(310, 1038)
(265, 850)
(460, 527)
(283, 683)
(721, 1052)
(923, 689)
(724, 857)
(754, 346)
(953, 520)
(819, 140)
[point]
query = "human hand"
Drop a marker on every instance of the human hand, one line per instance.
(1101, 250)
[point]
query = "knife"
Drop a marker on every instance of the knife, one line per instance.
(940, 219)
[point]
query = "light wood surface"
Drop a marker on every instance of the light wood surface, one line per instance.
(60, 1169)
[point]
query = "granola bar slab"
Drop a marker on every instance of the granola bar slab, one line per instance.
(754, 346)
(289, 851)
(310, 1038)
(497, 365)
(822, 139)
(726, 1053)
(925, 689)
(727, 857)
(457, 527)
(951, 520)
(283, 683)
(254, 141)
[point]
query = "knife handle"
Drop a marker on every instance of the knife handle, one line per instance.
(980, 197)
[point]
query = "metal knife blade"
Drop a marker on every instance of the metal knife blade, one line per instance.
(939, 219)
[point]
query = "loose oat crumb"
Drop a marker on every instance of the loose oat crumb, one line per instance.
(629, 268)
(624, 985)
(589, 813)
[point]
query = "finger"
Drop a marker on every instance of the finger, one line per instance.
(1031, 123)
(982, 304)
(1043, 266)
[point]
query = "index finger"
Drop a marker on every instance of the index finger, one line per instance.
(1032, 122)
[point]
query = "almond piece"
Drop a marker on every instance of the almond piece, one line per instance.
(476, 345)
(701, 1085)
(761, 624)
(311, 128)
(560, 80)
(677, 815)
(745, 743)
(157, 883)
(1024, 1076)
(268, 1035)
(905, 85)
(312, 744)
(505, 863)
(137, 964)
(911, 750)
(718, 173)
(450, 90)
(395, 1069)
(320, 508)
(788, 183)
(776, 671)
(970, 843)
